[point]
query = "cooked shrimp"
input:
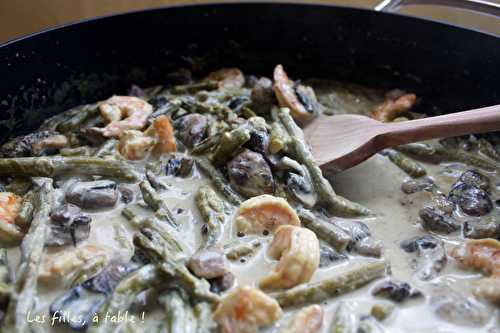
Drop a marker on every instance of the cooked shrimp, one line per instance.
(481, 254)
(9, 206)
(123, 113)
(307, 320)
(284, 88)
(134, 145)
(393, 108)
(56, 267)
(298, 252)
(229, 78)
(264, 212)
(245, 310)
(164, 132)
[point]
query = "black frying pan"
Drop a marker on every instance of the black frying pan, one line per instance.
(450, 68)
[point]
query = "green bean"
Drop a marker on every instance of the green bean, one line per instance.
(127, 290)
(89, 269)
(204, 315)
(106, 148)
(169, 262)
(77, 151)
(488, 150)
(211, 208)
(368, 324)
(5, 287)
(219, 181)
(32, 252)
(229, 145)
(76, 121)
(408, 165)
(278, 138)
(58, 166)
(381, 311)
(439, 153)
(195, 87)
(333, 286)
(344, 320)
(157, 204)
(180, 316)
(242, 249)
(206, 145)
(335, 204)
(326, 231)
(25, 213)
(19, 185)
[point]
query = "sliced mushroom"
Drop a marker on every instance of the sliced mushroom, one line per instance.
(474, 178)
(262, 95)
(94, 194)
(222, 283)
(396, 291)
(329, 256)
(362, 240)
(430, 255)
(250, 174)
(472, 200)
(487, 227)
(435, 219)
(191, 128)
(31, 144)
(298, 181)
(68, 226)
(208, 263)
(179, 166)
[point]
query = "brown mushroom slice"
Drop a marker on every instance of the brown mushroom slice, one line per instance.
(228, 78)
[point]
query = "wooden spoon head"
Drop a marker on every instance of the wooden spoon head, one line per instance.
(342, 141)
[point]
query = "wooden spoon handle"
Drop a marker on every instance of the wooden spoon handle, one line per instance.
(454, 124)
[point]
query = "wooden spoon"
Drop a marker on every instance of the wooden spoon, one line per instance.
(340, 142)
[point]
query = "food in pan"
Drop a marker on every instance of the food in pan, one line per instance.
(198, 207)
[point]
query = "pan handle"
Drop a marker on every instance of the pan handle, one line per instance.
(481, 6)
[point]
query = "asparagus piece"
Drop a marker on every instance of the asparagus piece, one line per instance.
(211, 208)
(32, 250)
(335, 204)
(242, 249)
(157, 204)
(180, 316)
(229, 145)
(332, 234)
(195, 87)
(174, 266)
(219, 181)
(25, 213)
(344, 320)
(319, 291)
(408, 165)
(57, 166)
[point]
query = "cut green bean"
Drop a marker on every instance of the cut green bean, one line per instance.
(195, 87)
(32, 251)
(203, 313)
(174, 266)
(344, 319)
(211, 208)
(76, 121)
(278, 138)
(89, 269)
(5, 287)
(340, 284)
(106, 148)
(219, 181)
(335, 204)
(488, 150)
(180, 316)
(206, 145)
(239, 250)
(25, 213)
(157, 204)
(58, 166)
(229, 145)
(326, 231)
(408, 165)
